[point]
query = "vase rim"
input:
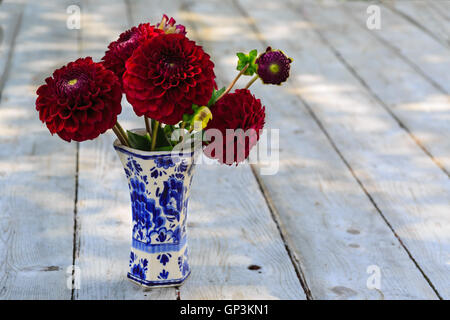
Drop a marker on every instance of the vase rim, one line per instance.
(147, 154)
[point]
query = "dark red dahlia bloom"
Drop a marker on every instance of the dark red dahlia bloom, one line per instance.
(273, 66)
(80, 101)
(120, 50)
(242, 115)
(166, 75)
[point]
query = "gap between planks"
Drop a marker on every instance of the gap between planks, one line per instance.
(273, 210)
(276, 218)
(7, 67)
(413, 21)
(366, 192)
(397, 52)
(401, 55)
(76, 240)
(185, 6)
(347, 164)
(353, 72)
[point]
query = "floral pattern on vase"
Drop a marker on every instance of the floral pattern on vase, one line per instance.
(159, 186)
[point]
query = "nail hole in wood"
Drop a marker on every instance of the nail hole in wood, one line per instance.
(254, 267)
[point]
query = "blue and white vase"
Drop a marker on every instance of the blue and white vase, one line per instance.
(159, 184)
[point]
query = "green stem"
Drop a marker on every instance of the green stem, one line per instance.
(123, 133)
(234, 82)
(251, 81)
(120, 136)
(154, 134)
(183, 124)
(147, 125)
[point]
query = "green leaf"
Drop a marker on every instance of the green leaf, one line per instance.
(249, 59)
(187, 117)
(139, 142)
(161, 138)
(168, 129)
(241, 55)
(216, 94)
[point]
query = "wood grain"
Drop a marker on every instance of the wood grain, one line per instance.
(37, 171)
(236, 251)
(410, 192)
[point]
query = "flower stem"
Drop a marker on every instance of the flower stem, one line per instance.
(119, 135)
(234, 82)
(122, 132)
(147, 125)
(251, 81)
(154, 134)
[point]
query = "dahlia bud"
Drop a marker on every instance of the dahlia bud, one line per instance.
(273, 66)
(201, 118)
(168, 26)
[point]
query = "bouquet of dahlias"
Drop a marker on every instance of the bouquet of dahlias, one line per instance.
(169, 81)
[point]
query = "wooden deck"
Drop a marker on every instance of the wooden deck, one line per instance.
(363, 182)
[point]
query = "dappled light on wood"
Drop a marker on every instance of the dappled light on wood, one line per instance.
(362, 176)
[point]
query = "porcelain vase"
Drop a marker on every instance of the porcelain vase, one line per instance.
(159, 184)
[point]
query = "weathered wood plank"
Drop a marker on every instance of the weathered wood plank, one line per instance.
(443, 7)
(10, 21)
(410, 192)
(415, 103)
(37, 171)
(426, 16)
(328, 221)
(104, 212)
(425, 53)
(230, 226)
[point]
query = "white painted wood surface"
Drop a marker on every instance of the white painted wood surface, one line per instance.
(10, 19)
(229, 226)
(417, 104)
(313, 192)
(37, 171)
(426, 14)
(411, 192)
(427, 54)
(443, 7)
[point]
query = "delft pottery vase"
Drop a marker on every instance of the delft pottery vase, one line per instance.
(159, 183)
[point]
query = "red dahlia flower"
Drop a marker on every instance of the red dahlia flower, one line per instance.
(120, 50)
(242, 114)
(81, 100)
(166, 75)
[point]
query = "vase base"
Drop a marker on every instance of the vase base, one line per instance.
(159, 283)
